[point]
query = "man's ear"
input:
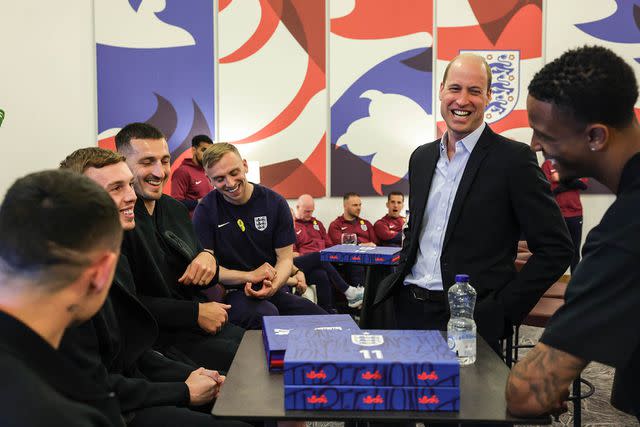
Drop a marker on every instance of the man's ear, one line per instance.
(103, 268)
(246, 166)
(597, 136)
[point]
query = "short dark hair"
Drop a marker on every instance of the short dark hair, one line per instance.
(395, 193)
(198, 139)
(90, 157)
(50, 222)
(136, 131)
(347, 196)
(591, 83)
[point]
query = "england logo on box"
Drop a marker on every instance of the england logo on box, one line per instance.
(367, 340)
(260, 222)
(505, 84)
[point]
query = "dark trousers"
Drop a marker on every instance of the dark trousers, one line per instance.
(247, 312)
(574, 224)
(170, 416)
(323, 275)
(210, 351)
(415, 314)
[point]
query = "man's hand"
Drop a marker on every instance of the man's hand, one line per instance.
(301, 282)
(368, 244)
(202, 387)
(212, 316)
(265, 272)
(219, 379)
(539, 383)
(200, 271)
(266, 290)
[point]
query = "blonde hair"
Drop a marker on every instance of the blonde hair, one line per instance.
(213, 154)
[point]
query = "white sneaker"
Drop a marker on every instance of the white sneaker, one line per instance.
(356, 298)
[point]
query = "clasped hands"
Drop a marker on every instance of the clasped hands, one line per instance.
(264, 276)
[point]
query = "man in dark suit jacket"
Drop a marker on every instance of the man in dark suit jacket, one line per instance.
(472, 194)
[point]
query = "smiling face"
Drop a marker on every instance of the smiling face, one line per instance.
(560, 138)
(229, 176)
(394, 205)
(149, 161)
(117, 180)
(464, 95)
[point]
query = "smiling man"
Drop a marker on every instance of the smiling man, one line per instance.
(250, 229)
(581, 110)
(168, 264)
(472, 193)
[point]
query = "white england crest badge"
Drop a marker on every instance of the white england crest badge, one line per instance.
(505, 84)
(367, 340)
(260, 222)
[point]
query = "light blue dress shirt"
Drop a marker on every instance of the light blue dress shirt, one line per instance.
(426, 273)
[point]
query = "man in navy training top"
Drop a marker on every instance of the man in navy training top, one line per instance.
(389, 228)
(250, 229)
(169, 266)
(189, 184)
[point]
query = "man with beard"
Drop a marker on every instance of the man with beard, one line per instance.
(581, 110)
(169, 265)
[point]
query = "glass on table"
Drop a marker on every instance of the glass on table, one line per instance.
(349, 239)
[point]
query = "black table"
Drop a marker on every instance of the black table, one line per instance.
(252, 393)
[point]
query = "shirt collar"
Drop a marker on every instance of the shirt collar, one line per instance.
(469, 141)
(629, 173)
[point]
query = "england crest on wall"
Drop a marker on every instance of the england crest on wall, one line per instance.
(505, 83)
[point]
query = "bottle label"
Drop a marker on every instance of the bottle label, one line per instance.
(462, 343)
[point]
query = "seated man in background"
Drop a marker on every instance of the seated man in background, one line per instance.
(59, 244)
(250, 229)
(389, 228)
(115, 347)
(313, 237)
(581, 110)
(168, 264)
(317, 272)
(351, 223)
(189, 184)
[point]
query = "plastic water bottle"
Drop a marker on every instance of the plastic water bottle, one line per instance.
(461, 329)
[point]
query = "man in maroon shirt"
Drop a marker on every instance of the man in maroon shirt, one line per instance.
(189, 183)
(389, 228)
(311, 235)
(351, 223)
(567, 194)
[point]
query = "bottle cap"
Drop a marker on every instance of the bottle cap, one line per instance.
(462, 277)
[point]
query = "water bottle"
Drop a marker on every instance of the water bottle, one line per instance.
(461, 329)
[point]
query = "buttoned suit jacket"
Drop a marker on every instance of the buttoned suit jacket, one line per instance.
(502, 193)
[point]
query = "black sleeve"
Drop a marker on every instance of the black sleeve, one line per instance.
(189, 204)
(172, 312)
(137, 393)
(547, 236)
(602, 310)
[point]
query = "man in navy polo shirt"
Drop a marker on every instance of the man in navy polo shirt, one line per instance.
(250, 229)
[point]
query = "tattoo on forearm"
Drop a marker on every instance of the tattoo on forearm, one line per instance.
(546, 373)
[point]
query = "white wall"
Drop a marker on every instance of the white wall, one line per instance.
(47, 89)
(47, 84)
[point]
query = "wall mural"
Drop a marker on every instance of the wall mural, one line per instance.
(155, 63)
(272, 89)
